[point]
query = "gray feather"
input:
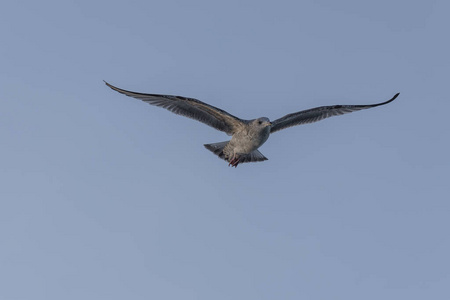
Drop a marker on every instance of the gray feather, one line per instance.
(191, 108)
(319, 113)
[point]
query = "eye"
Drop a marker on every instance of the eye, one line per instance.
(259, 122)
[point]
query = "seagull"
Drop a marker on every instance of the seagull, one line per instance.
(246, 135)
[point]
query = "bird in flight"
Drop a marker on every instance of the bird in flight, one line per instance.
(246, 135)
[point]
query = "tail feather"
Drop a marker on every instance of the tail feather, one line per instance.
(217, 149)
(253, 157)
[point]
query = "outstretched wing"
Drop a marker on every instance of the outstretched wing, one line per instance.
(191, 108)
(319, 113)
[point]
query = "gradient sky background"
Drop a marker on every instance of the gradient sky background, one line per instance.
(106, 197)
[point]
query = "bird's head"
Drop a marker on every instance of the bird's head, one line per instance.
(262, 122)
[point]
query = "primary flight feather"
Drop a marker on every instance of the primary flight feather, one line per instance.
(247, 135)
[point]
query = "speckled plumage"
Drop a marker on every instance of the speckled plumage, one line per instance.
(247, 135)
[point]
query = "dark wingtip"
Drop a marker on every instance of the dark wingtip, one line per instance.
(392, 99)
(389, 101)
(114, 88)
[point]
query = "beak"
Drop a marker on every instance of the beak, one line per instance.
(269, 123)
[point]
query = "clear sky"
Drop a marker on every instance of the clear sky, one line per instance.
(105, 197)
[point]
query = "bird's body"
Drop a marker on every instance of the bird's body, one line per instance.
(250, 139)
(247, 135)
(243, 143)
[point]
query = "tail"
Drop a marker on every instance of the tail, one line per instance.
(253, 157)
(217, 149)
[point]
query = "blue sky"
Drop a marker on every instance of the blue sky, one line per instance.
(105, 197)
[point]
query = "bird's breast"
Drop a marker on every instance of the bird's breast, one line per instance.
(249, 141)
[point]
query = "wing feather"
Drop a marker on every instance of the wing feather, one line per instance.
(319, 113)
(191, 108)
